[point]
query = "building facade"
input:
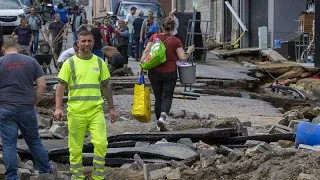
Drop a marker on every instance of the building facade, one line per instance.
(277, 15)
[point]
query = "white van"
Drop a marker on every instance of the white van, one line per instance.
(11, 12)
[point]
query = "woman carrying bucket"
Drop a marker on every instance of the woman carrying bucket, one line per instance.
(163, 77)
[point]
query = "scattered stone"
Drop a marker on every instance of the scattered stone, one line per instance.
(202, 146)
(24, 174)
(247, 124)
(178, 114)
(63, 130)
(224, 150)
(207, 153)
(64, 175)
(126, 166)
(29, 163)
(303, 176)
(252, 143)
(2, 171)
(212, 116)
(279, 129)
(294, 123)
(159, 173)
(163, 140)
(142, 144)
(260, 148)
(138, 159)
(229, 122)
(44, 122)
(284, 122)
(316, 120)
(122, 118)
(189, 172)
(293, 115)
(195, 116)
(174, 174)
(285, 144)
(147, 168)
(34, 178)
(235, 155)
(186, 141)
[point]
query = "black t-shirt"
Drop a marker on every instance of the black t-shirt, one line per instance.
(137, 24)
(97, 38)
(17, 75)
(55, 28)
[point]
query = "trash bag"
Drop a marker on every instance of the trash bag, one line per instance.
(157, 55)
(141, 108)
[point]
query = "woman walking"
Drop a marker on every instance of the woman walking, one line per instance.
(163, 78)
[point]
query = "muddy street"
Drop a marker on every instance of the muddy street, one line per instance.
(239, 128)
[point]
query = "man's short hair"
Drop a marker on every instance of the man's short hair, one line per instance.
(84, 21)
(97, 23)
(84, 33)
(75, 43)
(9, 42)
(133, 8)
(23, 19)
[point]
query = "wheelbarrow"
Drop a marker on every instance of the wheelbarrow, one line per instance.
(44, 58)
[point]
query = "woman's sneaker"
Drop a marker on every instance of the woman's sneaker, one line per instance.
(162, 123)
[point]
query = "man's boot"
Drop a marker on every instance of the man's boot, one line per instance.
(137, 56)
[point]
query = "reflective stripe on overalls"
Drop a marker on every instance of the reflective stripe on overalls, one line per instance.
(98, 162)
(76, 86)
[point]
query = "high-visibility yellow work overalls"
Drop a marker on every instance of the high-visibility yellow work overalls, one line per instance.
(85, 110)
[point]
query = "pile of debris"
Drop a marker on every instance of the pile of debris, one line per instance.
(290, 121)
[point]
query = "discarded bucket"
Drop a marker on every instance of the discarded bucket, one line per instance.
(308, 133)
(187, 72)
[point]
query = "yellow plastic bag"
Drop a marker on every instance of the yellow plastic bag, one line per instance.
(141, 108)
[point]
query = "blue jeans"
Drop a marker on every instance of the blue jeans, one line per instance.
(34, 46)
(130, 45)
(26, 121)
(139, 46)
(98, 53)
(75, 36)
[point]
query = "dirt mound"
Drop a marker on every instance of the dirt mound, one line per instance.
(281, 164)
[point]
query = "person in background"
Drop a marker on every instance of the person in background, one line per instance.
(129, 20)
(63, 12)
(18, 104)
(108, 31)
(34, 21)
(149, 27)
(76, 20)
(1, 38)
(116, 62)
(84, 26)
(122, 39)
(176, 22)
(57, 28)
(67, 54)
(163, 78)
(25, 36)
(137, 24)
(99, 37)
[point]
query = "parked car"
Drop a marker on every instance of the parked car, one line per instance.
(122, 9)
(11, 11)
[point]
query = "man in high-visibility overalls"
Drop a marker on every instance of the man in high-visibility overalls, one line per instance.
(84, 74)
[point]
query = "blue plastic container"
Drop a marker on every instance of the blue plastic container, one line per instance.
(308, 133)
